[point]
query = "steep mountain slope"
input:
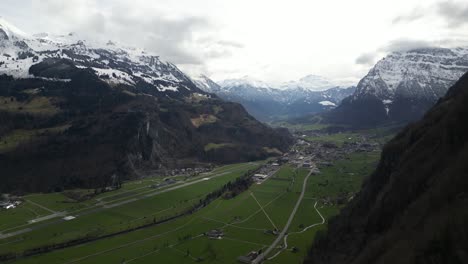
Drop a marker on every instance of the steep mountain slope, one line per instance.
(413, 208)
(402, 86)
(206, 84)
(113, 64)
(79, 114)
(267, 102)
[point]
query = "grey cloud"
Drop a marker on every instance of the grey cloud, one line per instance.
(233, 44)
(397, 45)
(170, 37)
(414, 15)
(455, 13)
(213, 48)
(366, 58)
(405, 45)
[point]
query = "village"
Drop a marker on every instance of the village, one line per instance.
(310, 155)
(8, 202)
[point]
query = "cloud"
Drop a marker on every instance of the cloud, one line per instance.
(233, 44)
(174, 38)
(366, 58)
(454, 13)
(397, 45)
(405, 45)
(414, 15)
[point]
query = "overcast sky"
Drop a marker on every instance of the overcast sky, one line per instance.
(272, 40)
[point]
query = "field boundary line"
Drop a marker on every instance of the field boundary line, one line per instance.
(142, 256)
(131, 243)
(262, 256)
(259, 210)
(245, 241)
(299, 232)
(261, 207)
(41, 206)
(227, 224)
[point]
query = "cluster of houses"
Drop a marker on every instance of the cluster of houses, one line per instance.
(266, 171)
(181, 172)
(188, 171)
(9, 204)
(323, 153)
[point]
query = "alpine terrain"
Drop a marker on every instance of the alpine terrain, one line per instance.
(268, 102)
(412, 209)
(193, 132)
(81, 114)
(402, 86)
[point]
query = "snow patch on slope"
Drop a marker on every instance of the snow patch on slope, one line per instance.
(327, 103)
(421, 73)
(113, 63)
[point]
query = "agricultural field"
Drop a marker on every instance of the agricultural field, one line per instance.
(247, 220)
(380, 135)
(336, 138)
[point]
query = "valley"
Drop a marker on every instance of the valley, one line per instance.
(300, 132)
(172, 217)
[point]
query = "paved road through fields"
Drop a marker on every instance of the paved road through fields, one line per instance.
(262, 256)
(108, 205)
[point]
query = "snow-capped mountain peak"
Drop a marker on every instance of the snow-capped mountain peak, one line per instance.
(402, 86)
(113, 63)
(421, 73)
(10, 31)
(310, 82)
(206, 84)
(266, 102)
(245, 81)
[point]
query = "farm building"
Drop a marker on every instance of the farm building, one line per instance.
(260, 176)
(248, 258)
(215, 234)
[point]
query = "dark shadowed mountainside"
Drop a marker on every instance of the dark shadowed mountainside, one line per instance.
(414, 207)
(84, 132)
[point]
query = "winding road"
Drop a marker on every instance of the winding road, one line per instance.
(300, 232)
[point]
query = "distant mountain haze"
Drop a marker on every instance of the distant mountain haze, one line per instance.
(268, 102)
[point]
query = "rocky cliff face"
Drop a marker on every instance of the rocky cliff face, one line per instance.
(412, 209)
(402, 86)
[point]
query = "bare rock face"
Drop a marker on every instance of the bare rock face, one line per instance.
(3, 35)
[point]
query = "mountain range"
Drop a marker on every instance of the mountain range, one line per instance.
(402, 87)
(75, 113)
(268, 102)
(412, 209)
